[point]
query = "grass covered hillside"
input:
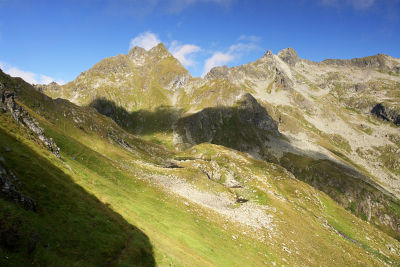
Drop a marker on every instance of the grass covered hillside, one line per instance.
(115, 199)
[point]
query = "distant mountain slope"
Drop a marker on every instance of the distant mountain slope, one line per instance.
(344, 92)
(195, 207)
(139, 80)
(311, 127)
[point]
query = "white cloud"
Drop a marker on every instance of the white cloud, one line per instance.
(147, 40)
(220, 58)
(45, 79)
(242, 47)
(26, 75)
(357, 4)
(217, 59)
(184, 52)
(29, 77)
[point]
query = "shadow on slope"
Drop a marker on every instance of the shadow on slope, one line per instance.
(142, 122)
(70, 227)
(237, 128)
(247, 127)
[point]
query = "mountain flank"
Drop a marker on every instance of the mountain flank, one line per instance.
(136, 162)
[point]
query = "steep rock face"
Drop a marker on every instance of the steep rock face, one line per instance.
(218, 73)
(385, 113)
(239, 125)
(251, 112)
(282, 80)
(8, 104)
(289, 55)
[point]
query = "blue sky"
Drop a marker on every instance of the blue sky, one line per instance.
(43, 40)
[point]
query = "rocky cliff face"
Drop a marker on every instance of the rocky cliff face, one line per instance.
(8, 104)
(227, 125)
(289, 55)
(386, 113)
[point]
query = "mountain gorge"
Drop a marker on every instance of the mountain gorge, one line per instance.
(279, 161)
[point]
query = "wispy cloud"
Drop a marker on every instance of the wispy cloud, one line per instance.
(234, 52)
(147, 40)
(357, 4)
(217, 59)
(184, 53)
(28, 76)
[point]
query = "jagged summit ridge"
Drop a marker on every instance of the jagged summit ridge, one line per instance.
(289, 55)
(377, 61)
(157, 51)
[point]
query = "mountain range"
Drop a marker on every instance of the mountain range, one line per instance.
(281, 161)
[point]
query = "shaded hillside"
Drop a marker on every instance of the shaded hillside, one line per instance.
(69, 225)
(247, 127)
(227, 202)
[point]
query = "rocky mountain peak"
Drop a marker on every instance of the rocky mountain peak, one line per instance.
(380, 61)
(289, 55)
(138, 55)
(159, 50)
(220, 72)
(268, 53)
(136, 51)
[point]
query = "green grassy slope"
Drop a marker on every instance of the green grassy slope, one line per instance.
(109, 197)
(71, 226)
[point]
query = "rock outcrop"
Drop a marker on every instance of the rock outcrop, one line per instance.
(386, 113)
(9, 191)
(224, 125)
(282, 80)
(218, 73)
(8, 104)
(251, 112)
(53, 87)
(289, 55)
